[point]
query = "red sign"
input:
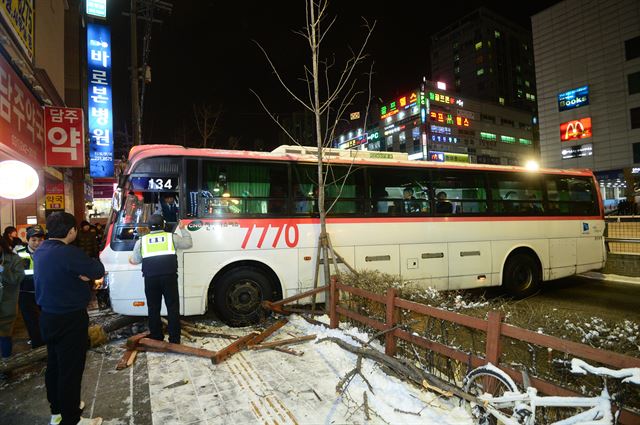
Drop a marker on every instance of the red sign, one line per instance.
(577, 129)
(64, 128)
(20, 117)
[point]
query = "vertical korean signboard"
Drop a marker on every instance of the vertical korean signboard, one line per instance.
(100, 113)
(21, 128)
(64, 130)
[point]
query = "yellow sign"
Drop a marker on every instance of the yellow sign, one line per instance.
(19, 15)
(456, 157)
(354, 115)
(54, 201)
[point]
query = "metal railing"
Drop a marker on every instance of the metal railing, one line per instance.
(622, 234)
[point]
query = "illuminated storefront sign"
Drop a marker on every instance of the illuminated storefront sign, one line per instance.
(448, 157)
(19, 15)
(446, 118)
(355, 142)
(443, 98)
(443, 139)
(577, 151)
(403, 103)
(64, 142)
(97, 8)
(100, 101)
(21, 118)
(576, 129)
(573, 98)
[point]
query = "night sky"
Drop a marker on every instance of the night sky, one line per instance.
(203, 53)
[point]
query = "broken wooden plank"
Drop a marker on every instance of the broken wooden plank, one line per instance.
(122, 364)
(132, 341)
(132, 358)
(288, 351)
(296, 297)
(233, 348)
(176, 348)
(288, 341)
(268, 332)
(183, 331)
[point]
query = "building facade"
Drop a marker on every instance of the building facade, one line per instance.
(487, 57)
(434, 124)
(587, 58)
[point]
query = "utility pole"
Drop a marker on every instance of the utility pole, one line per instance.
(146, 8)
(135, 102)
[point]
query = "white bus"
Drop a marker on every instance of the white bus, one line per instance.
(255, 227)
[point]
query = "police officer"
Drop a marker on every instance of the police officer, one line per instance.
(27, 298)
(157, 253)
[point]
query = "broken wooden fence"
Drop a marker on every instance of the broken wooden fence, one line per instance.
(494, 328)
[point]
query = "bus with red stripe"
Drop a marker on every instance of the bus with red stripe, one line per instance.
(254, 221)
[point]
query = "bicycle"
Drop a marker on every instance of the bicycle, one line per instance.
(505, 404)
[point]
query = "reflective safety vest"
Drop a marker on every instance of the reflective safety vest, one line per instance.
(28, 261)
(158, 254)
(154, 244)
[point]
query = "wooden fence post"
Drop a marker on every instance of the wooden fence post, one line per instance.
(493, 347)
(389, 338)
(333, 302)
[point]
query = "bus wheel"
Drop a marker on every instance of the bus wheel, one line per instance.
(521, 276)
(238, 294)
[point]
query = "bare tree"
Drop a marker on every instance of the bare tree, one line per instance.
(207, 117)
(331, 90)
(233, 142)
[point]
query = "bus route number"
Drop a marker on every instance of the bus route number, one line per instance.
(291, 234)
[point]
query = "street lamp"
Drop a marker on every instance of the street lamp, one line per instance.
(17, 180)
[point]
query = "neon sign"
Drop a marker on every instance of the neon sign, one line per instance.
(443, 98)
(577, 151)
(576, 129)
(446, 118)
(402, 103)
(573, 98)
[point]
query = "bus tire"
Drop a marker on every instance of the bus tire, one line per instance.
(237, 295)
(521, 276)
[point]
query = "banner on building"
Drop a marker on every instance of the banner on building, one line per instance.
(21, 122)
(100, 113)
(64, 137)
(19, 16)
(576, 129)
(54, 196)
(97, 8)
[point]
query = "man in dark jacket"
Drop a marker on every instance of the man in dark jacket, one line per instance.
(62, 273)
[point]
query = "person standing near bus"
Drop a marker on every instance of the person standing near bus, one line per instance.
(11, 275)
(62, 280)
(157, 253)
(27, 299)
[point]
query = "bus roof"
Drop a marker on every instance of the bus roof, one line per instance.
(308, 154)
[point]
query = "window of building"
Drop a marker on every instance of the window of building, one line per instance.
(479, 45)
(456, 70)
(456, 57)
(525, 141)
(636, 153)
(480, 71)
(496, 34)
(457, 82)
(527, 83)
(501, 100)
(632, 48)
(507, 139)
(479, 59)
(488, 118)
(518, 68)
(487, 136)
(481, 86)
(635, 117)
(508, 122)
(634, 82)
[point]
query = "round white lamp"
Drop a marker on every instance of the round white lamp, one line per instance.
(17, 180)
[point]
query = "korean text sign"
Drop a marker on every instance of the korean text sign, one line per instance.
(100, 111)
(64, 143)
(21, 119)
(20, 17)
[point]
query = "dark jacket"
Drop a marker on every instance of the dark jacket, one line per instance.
(58, 266)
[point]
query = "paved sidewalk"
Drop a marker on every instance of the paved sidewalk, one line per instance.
(252, 387)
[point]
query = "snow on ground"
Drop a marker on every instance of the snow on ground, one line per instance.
(611, 277)
(268, 386)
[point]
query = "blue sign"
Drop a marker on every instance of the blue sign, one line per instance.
(573, 98)
(100, 99)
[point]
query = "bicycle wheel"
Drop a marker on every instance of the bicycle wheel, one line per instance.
(493, 381)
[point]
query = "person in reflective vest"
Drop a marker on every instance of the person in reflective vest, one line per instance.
(157, 253)
(27, 299)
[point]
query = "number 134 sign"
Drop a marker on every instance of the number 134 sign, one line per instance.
(64, 141)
